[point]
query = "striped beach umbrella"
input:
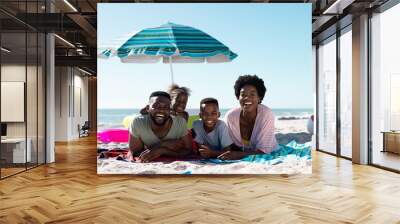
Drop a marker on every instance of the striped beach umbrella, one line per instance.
(171, 43)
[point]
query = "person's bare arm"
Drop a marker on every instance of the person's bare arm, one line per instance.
(234, 155)
(171, 144)
(177, 148)
(144, 110)
(229, 147)
(136, 146)
(206, 152)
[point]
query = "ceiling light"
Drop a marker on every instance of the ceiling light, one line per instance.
(79, 51)
(5, 50)
(70, 5)
(65, 41)
(337, 7)
(84, 71)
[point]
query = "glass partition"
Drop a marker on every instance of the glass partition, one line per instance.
(22, 67)
(346, 93)
(327, 95)
(13, 95)
(385, 89)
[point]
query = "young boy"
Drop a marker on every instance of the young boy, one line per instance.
(211, 133)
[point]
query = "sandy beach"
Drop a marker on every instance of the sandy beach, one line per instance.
(290, 126)
(290, 165)
(288, 130)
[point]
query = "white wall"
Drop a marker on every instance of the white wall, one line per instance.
(16, 73)
(80, 113)
(62, 81)
(12, 101)
(71, 94)
(33, 127)
(10, 73)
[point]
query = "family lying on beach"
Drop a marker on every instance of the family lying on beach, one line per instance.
(161, 129)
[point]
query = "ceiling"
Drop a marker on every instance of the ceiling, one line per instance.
(75, 21)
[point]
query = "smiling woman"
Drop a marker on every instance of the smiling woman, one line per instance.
(252, 125)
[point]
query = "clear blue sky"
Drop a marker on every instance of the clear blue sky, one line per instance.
(273, 41)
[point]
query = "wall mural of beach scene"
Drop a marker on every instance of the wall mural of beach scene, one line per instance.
(204, 89)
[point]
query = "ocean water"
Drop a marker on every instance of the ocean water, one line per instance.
(109, 118)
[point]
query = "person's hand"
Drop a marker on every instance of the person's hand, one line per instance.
(230, 155)
(129, 156)
(144, 110)
(149, 155)
(206, 152)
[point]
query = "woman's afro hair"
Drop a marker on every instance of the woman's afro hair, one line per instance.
(250, 80)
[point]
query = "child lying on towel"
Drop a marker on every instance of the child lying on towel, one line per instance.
(179, 98)
(212, 134)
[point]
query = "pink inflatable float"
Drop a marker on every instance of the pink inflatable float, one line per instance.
(113, 135)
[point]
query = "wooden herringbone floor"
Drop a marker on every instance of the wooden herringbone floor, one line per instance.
(70, 191)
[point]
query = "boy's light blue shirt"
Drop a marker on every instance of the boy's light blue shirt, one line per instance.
(217, 139)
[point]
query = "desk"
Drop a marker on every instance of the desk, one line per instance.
(13, 150)
(391, 141)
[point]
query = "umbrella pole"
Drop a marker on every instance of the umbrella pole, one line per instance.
(172, 71)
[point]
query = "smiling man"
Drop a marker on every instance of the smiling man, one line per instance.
(157, 133)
